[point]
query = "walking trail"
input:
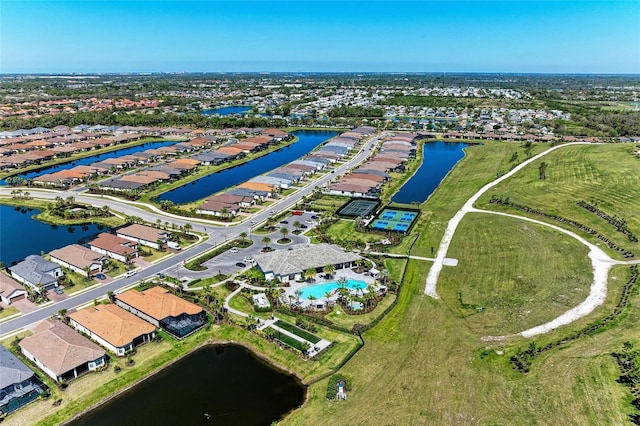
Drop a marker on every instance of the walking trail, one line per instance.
(601, 262)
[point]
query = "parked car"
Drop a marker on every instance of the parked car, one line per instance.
(314, 217)
(248, 259)
(286, 222)
(58, 290)
(101, 276)
(303, 226)
(233, 250)
(241, 265)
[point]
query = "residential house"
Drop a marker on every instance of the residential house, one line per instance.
(163, 309)
(10, 289)
(18, 384)
(61, 352)
(112, 327)
(37, 273)
(115, 247)
(143, 234)
(79, 259)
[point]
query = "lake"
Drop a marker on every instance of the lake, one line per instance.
(21, 235)
(308, 140)
(93, 158)
(230, 110)
(438, 159)
(226, 382)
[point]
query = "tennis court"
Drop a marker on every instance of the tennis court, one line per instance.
(358, 207)
(394, 220)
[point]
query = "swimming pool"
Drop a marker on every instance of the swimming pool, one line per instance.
(318, 291)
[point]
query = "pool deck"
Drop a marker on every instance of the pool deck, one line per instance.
(290, 292)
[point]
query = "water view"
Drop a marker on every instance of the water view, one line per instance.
(93, 158)
(308, 140)
(438, 159)
(230, 110)
(21, 235)
(215, 385)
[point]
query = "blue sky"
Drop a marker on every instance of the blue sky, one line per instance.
(306, 36)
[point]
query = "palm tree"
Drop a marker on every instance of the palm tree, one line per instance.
(284, 231)
(312, 298)
(188, 227)
(243, 237)
(297, 225)
(329, 269)
(266, 241)
(309, 274)
(327, 296)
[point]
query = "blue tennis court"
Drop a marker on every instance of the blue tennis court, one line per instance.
(394, 220)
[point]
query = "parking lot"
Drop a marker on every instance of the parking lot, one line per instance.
(231, 261)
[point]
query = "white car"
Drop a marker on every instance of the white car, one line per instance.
(130, 274)
(233, 250)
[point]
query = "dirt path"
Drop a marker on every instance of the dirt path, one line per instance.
(601, 262)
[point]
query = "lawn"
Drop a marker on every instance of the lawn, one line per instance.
(297, 331)
(577, 173)
(7, 312)
(341, 319)
(420, 365)
(344, 231)
(512, 275)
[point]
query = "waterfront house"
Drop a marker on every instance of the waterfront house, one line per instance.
(18, 384)
(115, 247)
(143, 234)
(61, 352)
(79, 259)
(10, 289)
(37, 273)
(113, 327)
(163, 309)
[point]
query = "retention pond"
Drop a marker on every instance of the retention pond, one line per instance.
(438, 159)
(215, 385)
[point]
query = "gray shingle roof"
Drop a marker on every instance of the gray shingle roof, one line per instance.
(12, 370)
(34, 269)
(286, 262)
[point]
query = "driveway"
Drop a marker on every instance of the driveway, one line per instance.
(24, 306)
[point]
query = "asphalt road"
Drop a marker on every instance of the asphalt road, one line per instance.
(218, 234)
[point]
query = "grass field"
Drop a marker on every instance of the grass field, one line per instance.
(606, 175)
(512, 275)
(425, 363)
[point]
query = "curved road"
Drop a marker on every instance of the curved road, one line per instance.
(217, 234)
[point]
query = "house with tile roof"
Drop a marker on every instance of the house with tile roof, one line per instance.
(10, 289)
(115, 247)
(143, 234)
(163, 309)
(79, 259)
(61, 352)
(113, 327)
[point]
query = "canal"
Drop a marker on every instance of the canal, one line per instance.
(21, 235)
(230, 110)
(215, 385)
(93, 159)
(438, 159)
(308, 140)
